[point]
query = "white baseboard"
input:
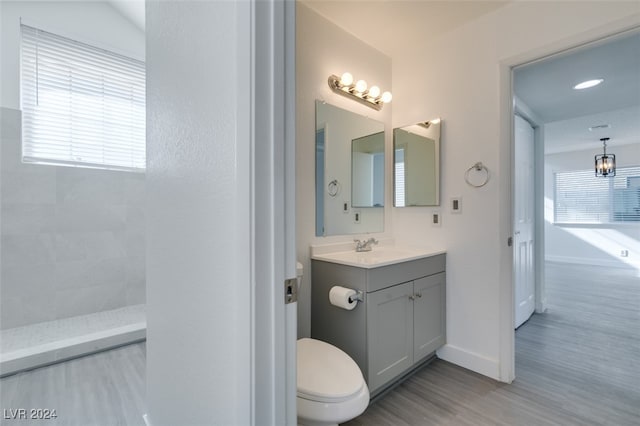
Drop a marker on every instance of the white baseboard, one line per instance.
(472, 361)
(592, 261)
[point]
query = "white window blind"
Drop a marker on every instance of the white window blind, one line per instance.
(581, 197)
(399, 178)
(81, 105)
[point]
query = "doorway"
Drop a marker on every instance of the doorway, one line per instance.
(587, 226)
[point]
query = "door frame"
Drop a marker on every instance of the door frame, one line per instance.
(506, 179)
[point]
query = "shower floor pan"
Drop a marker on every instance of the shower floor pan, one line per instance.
(24, 348)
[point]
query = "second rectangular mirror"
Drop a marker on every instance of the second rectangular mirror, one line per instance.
(416, 171)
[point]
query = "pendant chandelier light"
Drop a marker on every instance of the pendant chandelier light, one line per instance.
(605, 163)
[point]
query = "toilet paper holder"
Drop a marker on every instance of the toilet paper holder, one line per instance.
(359, 296)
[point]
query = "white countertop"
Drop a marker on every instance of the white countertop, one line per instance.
(382, 255)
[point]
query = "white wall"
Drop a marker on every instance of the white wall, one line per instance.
(92, 22)
(199, 296)
(590, 244)
(323, 49)
(457, 77)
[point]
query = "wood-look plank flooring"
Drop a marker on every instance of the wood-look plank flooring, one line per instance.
(576, 364)
(107, 388)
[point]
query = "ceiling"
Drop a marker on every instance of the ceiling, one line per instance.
(546, 87)
(393, 25)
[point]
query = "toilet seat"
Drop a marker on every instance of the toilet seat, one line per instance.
(325, 373)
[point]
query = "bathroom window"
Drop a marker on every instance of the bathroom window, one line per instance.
(580, 197)
(81, 105)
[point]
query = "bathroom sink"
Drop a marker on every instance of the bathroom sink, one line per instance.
(379, 256)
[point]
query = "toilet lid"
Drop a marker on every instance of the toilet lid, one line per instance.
(325, 373)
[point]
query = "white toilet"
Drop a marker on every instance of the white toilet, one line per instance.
(331, 388)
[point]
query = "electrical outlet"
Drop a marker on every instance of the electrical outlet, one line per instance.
(345, 207)
(436, 219)
(356, 217)
(624, 253)
(456, 205)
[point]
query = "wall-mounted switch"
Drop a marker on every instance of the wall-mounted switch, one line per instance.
(436, 219)
(356, 217)
(456, 205)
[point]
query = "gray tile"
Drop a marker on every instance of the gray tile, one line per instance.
(26, 250)
(85, 217)
(135, 187)
(136, 293)
(81, 274)
(74, 246)
(92, 186)
(10, 123)
(81, 301)
(39, 308)
(135, 272)
(135, 244)
(136, 218)
(10, 154)
(27, 219)
(26, 281)
(11, 312)
(31, 184)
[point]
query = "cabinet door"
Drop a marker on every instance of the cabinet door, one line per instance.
(429, 326)
(389, 333)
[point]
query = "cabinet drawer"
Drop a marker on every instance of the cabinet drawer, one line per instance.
(387, 276)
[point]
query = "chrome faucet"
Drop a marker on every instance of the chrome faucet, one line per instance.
(365, 245)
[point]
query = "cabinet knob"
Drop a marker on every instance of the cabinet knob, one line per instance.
(418, 294)
(412, 298)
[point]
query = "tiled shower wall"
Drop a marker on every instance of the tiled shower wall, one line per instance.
(72, 239)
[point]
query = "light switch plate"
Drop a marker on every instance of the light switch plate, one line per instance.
(456, 205)
(436, 218)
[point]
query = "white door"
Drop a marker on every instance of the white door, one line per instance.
(523, 243)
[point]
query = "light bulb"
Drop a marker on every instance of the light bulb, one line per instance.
(435, 121)
(346, 79)
(361, 86)
(374, 92)
(386, 97)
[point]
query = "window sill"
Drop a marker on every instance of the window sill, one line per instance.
(597, 225)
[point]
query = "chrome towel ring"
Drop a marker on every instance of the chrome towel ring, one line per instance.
(478, 168)
(333, 188)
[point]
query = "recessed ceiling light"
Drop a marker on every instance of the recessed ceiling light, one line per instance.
(587, 84)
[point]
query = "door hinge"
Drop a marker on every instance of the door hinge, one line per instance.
(290, 290)
(510, 241)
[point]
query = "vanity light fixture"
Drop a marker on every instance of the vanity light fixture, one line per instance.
(587, 84)
(605, 163)
(427, 124)
(345, 86)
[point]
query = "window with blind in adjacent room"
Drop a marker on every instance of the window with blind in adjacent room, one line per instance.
(81, 105)
(581, 197)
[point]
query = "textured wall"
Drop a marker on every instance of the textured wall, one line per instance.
(73, 239)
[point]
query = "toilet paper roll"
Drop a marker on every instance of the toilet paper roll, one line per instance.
(342, 297)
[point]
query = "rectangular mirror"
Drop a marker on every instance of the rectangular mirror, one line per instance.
(349, 172)
(416, 160)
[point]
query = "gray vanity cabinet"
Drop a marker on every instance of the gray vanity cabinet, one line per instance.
(390, 333)
(400, 323)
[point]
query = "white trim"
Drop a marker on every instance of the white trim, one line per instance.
(470, 360)
(506, 308)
